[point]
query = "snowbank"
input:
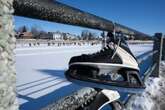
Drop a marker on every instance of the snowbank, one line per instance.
(154, 96)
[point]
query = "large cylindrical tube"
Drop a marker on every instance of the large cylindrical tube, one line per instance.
(57, 12)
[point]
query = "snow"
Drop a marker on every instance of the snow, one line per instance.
(40, 72)
(153, 97)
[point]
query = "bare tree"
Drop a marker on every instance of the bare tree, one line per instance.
(23, 29)
(87, 35)
(36, 30)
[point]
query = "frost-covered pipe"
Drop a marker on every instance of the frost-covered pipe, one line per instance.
(86, 96)
(73, 101)
(8, 99)
(52, 10)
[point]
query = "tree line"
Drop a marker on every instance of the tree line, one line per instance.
(39, 33)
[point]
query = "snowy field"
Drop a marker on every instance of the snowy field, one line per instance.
(40, 72)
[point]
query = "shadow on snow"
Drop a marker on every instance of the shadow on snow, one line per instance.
(38, 103)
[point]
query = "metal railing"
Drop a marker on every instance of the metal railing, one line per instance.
(61, 13)
(147, 57)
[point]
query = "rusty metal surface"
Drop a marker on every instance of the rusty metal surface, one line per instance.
(57, 12)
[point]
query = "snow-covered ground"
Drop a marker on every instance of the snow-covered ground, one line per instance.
(40, 72)
(153, 98)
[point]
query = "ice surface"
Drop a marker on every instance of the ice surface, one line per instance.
(40, 72)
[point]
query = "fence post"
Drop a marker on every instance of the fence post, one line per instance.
(158, 45)
(8, 99)
(163, 52)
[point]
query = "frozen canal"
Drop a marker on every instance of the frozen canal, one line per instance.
(40, 72)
